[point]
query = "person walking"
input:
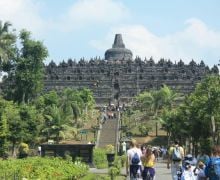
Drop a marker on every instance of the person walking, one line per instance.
(189, 170)
(175, 157)
(212, 170)
(133, 165)
(148, 161)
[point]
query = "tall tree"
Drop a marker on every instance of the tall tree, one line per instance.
(25, 77)
(154, 101)
(29, 69)
(197, 118)
(7, 43)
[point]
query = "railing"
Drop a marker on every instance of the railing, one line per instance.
(117, 143)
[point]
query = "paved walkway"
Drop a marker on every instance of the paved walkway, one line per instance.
(162, 173)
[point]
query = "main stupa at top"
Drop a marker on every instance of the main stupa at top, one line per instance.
(118, 50)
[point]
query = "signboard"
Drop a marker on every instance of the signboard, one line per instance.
(83, 131)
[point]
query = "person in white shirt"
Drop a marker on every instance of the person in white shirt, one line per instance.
(189, 168)
(133, 165)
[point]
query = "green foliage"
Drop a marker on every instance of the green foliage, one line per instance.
(198, 117)
(35, 118)
(30, 123)
(153, 103)
(123, 160)
(99, 158)
(87, 97)
(110, 148)
(23, 150)
(3, 135)
(144, 129)
(63, 112)
(42, 168)
(113, 172)
(7, 45)
(206, 145)
(8, 112)
(25, 76)
(117, 164)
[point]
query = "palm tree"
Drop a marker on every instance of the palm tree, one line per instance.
(72, 104)
(155, 101)
(7, 42)
(58, 123)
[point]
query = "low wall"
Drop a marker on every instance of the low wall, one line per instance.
(84, 151)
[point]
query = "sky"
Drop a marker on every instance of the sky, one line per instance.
(170, 29)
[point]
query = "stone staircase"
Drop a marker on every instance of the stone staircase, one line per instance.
(108, 133)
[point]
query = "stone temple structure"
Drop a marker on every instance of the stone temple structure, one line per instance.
(120, 77)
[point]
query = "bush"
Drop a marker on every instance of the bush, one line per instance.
(144, 129)
(117, 163)
(99, 158)
(123, 160)
(23, 150)
(42, 168)
(113, 172)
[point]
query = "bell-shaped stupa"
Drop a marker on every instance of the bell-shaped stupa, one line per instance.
(118, 50)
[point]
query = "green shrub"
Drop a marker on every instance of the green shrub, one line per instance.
(117, 163)
(42, 168)
(123, 160)
(99, 158)
(23, 150)
(144, 129)
(113, 172)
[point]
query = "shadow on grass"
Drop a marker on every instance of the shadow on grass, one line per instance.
(158, 141)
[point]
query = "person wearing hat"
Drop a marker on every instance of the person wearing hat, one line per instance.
(189, 168)
(176, 155)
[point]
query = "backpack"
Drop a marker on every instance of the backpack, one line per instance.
(214, 168)
(176, 155)
(135, 159)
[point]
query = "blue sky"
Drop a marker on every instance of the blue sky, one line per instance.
(173, 29)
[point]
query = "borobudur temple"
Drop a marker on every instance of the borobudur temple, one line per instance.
(120, 77)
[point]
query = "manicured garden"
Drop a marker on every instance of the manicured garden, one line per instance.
(42, 168)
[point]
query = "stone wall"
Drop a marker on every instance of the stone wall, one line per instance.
(124, 79)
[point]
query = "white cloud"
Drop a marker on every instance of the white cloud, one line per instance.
(93, 12)
(196, 41)
(22, 14)
(27, 14)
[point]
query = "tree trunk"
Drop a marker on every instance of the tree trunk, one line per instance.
(13, 149)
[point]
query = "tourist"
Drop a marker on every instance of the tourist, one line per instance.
(201, 171)
(203, 157)
(133, 165)
(39, 150)
(143, 149)
(175, 157)
(148, 161)
(212, 170)
(123, 144)
(156, 152)
(189, 171)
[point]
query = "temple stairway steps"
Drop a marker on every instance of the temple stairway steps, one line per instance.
(108, 133)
